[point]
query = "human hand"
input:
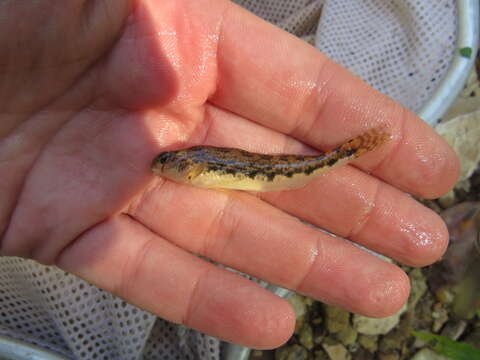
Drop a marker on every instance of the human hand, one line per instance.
(91, 91)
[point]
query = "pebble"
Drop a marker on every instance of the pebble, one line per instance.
(337, 319)
(293, 352)
(336, 351)
(427, 354)
(369, 342)
(454, 329)
(444, 295)
(374, 326)
(440, 317)
(305, 336)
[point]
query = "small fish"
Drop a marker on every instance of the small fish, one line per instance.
(227, 168)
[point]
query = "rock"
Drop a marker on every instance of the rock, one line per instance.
(432, 204)
(256, 354)
(336, 351)
(293, 352)
(305, 336)
(372, 326)
(347, 335)
(463, 134)
(318, 335)
(388, 356)
(418, 287)
(427, 354)
(454, 329)
(465, 102)
(421, 316)
(440, 317)
(447, 200)
(337, 319)
(369, 342)
(300, 306)
(393, 341)
(444, 295)
(362, 354)
(321, 355)
(353, 348)
(467, 291)
(461, 224)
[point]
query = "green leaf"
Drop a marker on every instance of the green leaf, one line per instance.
(452, 349)
(466, 52)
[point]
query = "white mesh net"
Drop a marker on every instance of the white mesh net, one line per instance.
(401, 47)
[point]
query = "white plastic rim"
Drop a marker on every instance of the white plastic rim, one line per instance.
(453, 82)
(11, 349)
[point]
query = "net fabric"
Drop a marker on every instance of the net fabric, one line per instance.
(55, 310)
(400, 47)
(50, 308)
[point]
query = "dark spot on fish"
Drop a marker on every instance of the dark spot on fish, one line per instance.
(350, 152)
(289, 174)
(213, 167)
(164, 157)
(247, 154)
(230, 171)
(309, 170)
(222, 150)
(332, 162)
(270, 176)
(252, 174)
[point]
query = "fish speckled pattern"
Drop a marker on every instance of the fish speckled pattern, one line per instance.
(226, 168)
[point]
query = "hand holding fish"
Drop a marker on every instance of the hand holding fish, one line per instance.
(90, 96)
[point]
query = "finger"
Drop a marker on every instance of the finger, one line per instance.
(346, 201)
(124, 258)
(247, 234)
(283, 83)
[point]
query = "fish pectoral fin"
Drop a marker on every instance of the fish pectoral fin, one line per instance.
(195, 171)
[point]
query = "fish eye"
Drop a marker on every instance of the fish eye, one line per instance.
(162, 158)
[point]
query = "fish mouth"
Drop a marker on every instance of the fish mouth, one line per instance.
(159, 162)
(157, 168)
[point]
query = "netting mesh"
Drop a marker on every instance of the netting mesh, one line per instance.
(401, 47)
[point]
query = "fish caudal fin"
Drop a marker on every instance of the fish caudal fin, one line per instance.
(363, 143)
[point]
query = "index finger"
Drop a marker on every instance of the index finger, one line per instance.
(281, 82)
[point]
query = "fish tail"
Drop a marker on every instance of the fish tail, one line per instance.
(365, 142)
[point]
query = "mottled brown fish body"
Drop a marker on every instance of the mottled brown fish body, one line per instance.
(214, 167)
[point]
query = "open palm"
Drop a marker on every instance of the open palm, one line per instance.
(91, 91)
